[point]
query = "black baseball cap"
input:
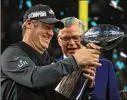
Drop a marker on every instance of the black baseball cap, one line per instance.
(43, 13)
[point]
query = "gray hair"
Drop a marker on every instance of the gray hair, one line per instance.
(24, 26)
(68, 21)
(72, 20)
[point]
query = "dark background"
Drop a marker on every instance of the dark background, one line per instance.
(100, 12)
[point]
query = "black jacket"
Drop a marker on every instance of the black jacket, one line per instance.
(29, 75)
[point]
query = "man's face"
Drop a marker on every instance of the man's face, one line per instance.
(41, 35)
(69, 38)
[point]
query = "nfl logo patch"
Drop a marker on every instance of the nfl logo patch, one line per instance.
(16, 57)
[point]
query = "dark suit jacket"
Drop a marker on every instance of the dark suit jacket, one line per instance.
(106, 87)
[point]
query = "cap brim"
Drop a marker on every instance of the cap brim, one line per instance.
(58, 23)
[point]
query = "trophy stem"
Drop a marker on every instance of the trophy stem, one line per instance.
(82, 90)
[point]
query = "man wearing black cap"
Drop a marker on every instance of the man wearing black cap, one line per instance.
(28, 72)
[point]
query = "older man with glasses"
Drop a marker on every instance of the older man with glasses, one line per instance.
(104, 86)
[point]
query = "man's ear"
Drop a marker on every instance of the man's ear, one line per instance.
(59, 41)
(28, 23)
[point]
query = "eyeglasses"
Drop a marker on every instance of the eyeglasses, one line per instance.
(67, 39)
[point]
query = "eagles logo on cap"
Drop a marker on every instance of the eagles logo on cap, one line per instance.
(51, 12)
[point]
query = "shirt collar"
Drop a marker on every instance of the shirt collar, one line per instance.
(64, 56)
